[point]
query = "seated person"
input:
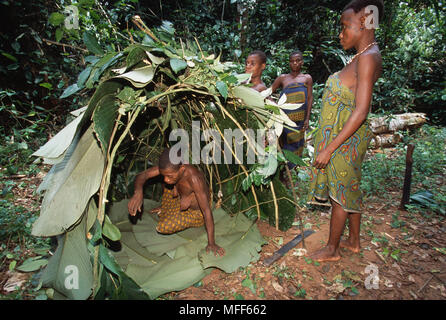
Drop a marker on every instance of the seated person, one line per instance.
(185, 202)
(298, 88)
(255, 64)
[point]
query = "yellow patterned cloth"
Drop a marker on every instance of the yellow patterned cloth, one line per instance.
(341, 178)
(172, 219)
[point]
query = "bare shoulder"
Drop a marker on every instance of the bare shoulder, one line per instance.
(259, 87)
(280, 78)
(308, 79)
(370, 63)
(194, 174)
(372, 57)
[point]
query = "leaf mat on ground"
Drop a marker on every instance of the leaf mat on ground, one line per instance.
(164, 263)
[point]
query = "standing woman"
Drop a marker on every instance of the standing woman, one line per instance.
(343, 134)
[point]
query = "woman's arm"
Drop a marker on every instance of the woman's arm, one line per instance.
(367, 65)
(200, 191)
(309, 83)
(277, 83)
(136, 201)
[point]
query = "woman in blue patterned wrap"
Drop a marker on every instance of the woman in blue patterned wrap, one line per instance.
(298, 87)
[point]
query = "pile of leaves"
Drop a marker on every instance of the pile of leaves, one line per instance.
(140, 95)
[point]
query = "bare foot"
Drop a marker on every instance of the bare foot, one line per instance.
(348, 245)
(325, 254)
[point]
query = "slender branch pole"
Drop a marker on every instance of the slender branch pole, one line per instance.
(106, 182)
(292, 190)
(276, 207)
(244, 170)
(290, 179)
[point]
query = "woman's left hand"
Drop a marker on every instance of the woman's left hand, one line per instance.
(322, 159)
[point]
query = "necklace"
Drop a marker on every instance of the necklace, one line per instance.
(361, 52)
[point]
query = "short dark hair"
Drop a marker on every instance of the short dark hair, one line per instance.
(164, 161)
(358, 5)
(259, 53)
(297, 52)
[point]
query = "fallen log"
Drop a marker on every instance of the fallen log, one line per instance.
(385, 129)
(385, 140)
(397, 122)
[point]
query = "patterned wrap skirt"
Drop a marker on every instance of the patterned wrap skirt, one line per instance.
(172, 219)
(292, 140)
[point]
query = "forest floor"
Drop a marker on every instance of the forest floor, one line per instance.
(408, 257)
(405, 249)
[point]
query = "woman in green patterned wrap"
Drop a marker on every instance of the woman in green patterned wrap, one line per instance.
(343, 134)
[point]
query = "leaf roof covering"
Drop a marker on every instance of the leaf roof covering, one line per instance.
(140, 95)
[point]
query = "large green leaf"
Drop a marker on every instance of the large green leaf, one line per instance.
(242, 248)
(135, 56)
(155, 59)
(100, 66)
(56, 18)
(154, 242)
(57, 145)
(249, 96)
(73, 182)
(70, 90)
(177, 64)
(293, 158)
(222, 88)
(110, 230)
(163, 263)
(92, 43)
(139, 77)
(105, 88)
(69, 271)
(32, 264)
(174, 275)
(104, 117)
(127, 289)
(83, 76)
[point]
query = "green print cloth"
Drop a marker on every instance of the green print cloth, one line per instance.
(341, 178)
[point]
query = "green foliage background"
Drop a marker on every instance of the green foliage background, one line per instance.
(35, 72)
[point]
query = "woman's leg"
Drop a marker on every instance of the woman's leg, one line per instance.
(354, 225)
(337, 223)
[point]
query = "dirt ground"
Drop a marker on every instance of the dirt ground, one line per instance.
(416, 271)
(406, 250)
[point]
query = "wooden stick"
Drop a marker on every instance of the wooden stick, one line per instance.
(243, 168)
(64, 45)
(276, 207)
(425, 284)
(141, 25)
(380, 256)
(407, 177)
